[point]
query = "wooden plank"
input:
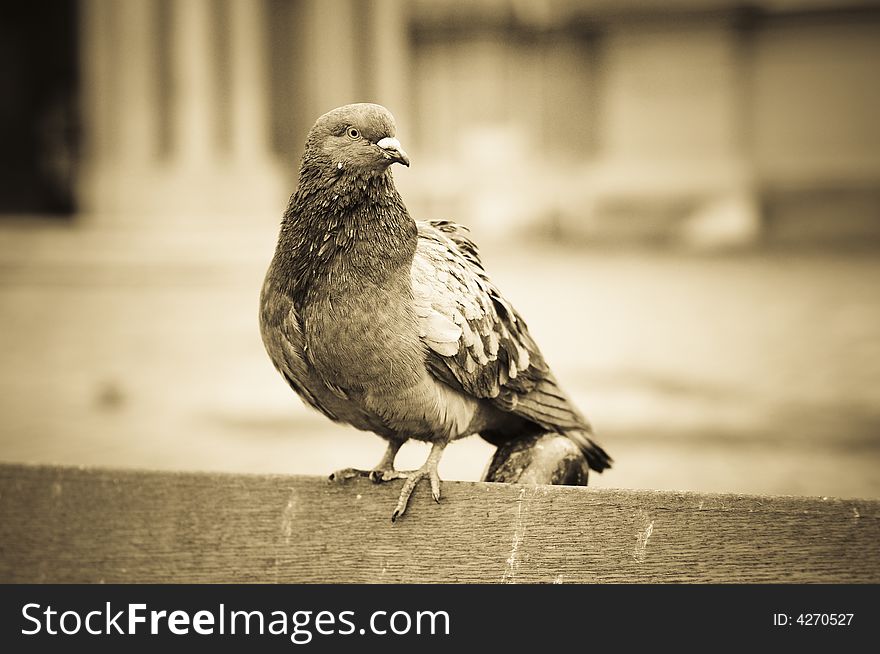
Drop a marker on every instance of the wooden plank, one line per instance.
(60, 524)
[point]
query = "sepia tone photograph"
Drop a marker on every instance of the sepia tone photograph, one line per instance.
(440, 291)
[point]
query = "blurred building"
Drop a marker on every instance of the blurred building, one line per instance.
(167, 134)
(712, 121)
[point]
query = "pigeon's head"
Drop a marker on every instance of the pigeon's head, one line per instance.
(356, 138)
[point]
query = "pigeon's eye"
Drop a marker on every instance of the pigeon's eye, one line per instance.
(353, 133)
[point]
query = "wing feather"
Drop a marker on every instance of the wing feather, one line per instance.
(476, 341)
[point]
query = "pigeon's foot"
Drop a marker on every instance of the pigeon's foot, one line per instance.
(378, 475)
(384, 470)
(349, 473)
(413, 477)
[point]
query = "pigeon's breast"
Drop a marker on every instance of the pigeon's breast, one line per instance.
(364, 345)
(363, 335)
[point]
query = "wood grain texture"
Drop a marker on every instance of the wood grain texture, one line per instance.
(61, 524)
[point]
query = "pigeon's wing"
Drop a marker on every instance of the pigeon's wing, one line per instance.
(476, 341)
(283, 337)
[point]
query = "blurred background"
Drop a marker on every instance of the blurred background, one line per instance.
(682, 198)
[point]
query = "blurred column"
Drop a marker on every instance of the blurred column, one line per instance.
(119, 97)
(137, 83)
(97, 34)
(192, 107)
(331, 65)
(390, 57)
(249, 106)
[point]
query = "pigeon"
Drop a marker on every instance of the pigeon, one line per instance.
(393, 325)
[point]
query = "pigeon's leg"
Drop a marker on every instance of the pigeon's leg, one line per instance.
(383, 471)
(413, 477)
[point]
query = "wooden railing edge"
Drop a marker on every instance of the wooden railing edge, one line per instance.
(83, 524)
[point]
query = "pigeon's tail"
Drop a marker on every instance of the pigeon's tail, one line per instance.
(597, 458)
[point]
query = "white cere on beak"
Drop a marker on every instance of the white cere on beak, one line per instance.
(393, 150)
(389, 143)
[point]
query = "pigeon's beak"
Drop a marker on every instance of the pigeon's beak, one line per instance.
(391, 149)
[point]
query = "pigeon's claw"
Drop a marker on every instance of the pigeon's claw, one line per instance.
(435, 486)
(413, 477)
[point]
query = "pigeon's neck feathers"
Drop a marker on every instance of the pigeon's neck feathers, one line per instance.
(344, 231)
